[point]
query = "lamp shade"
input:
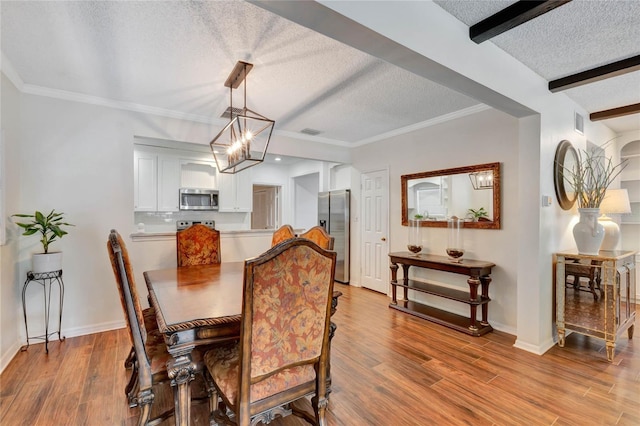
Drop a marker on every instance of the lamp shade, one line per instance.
(616, 201)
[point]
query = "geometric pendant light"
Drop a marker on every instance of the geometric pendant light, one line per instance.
(244, 140)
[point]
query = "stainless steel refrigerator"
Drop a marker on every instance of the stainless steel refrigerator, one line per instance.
(333, 215)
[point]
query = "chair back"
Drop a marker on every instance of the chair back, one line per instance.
(123, 272)
(318, 235)
(284, 340)
(284, 233)
(198, 245)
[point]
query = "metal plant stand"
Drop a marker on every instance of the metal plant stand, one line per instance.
(46, 280)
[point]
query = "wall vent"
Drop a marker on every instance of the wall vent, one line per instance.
(312, 132)
(227, 112)
(579, 123)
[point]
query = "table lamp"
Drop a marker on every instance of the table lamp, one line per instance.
(616, 201)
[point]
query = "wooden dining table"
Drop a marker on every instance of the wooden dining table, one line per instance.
(196, 306)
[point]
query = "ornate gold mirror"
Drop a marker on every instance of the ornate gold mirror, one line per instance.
(471, 192)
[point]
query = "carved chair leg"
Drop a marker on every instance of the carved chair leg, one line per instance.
(130, 386)
(144, 399)
(319, 408)
(131, 359)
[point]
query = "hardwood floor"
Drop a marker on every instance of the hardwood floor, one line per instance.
(388, 368)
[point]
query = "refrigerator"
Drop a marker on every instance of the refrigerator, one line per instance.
(333, 216)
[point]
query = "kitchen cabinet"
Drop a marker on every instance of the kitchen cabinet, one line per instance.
(145, 176)
(156, 182)
(236, 192)
(198, 174)
(168, 183)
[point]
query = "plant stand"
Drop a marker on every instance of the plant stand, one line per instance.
(45, 279)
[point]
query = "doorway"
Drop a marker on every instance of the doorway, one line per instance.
(375, 230)
(266, 207)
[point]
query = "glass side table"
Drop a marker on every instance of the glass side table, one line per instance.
(46, 280)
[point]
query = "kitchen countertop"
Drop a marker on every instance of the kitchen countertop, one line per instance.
(151, 236)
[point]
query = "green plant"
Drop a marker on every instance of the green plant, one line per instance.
(591, 177)
(479, 213)
(49, 226)
(418, 216)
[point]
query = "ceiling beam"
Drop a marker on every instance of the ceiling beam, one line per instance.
(596, 74)
(510, 17)
(615, 112)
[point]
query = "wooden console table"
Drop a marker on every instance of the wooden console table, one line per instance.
(606, 317)
(478, 272)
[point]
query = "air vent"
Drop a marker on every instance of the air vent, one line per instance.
(227, 112)
(312, 132)
(579, 124)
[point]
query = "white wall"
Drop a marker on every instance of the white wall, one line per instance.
(445, 146)
(10, 281)
(306, 188)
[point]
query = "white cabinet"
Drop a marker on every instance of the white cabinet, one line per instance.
(168, 183)
(236, 192)
(198, 174)
(156, 182)
(145, 175)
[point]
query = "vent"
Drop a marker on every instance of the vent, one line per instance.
(227, 112)
(312, 132)
(579, 124)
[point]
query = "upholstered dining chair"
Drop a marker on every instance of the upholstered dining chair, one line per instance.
(285, 232)
(283, 351)
(150, 355)
(198, 245)
(318, 235)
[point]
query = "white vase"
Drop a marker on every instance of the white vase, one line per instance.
(588, 233)
(46, 262)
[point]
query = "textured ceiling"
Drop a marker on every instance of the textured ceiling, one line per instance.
(575, 37)
(175, 56)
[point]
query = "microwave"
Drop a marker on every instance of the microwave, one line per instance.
(198, 199)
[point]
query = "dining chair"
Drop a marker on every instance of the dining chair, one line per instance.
(318, 235)
(198, 245)
(150, 356)
(283, 351)
(285, 232)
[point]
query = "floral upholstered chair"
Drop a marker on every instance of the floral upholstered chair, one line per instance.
(318, 235)
(283, 352)
(149, 356)
(198, 245)
(284, 233)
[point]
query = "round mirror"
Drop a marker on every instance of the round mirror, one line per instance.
(566, 159)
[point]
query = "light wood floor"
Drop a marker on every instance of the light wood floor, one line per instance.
(388, 368)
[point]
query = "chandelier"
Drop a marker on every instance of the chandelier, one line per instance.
(482, 180)
(244, 140)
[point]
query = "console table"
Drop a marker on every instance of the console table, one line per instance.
(606, 317)
(478, 273)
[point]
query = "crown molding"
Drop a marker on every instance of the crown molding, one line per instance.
(127, 106)
(7, 69)
(427, 123)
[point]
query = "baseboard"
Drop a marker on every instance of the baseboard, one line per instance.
(536, 349)
(10, 353)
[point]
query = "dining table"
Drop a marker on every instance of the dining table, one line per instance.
(196, 306)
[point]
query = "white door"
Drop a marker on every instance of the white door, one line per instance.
(375, 226)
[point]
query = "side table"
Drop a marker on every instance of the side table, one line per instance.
(606, 317)
(46, 280)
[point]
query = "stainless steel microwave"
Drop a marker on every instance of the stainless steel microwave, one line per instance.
(198, 199)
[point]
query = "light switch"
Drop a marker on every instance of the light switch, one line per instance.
(546, 200)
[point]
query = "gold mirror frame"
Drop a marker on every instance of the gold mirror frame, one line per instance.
(493, 167)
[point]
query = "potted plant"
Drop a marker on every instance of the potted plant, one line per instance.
(476, 215)
(589, 179)
(50, 229)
